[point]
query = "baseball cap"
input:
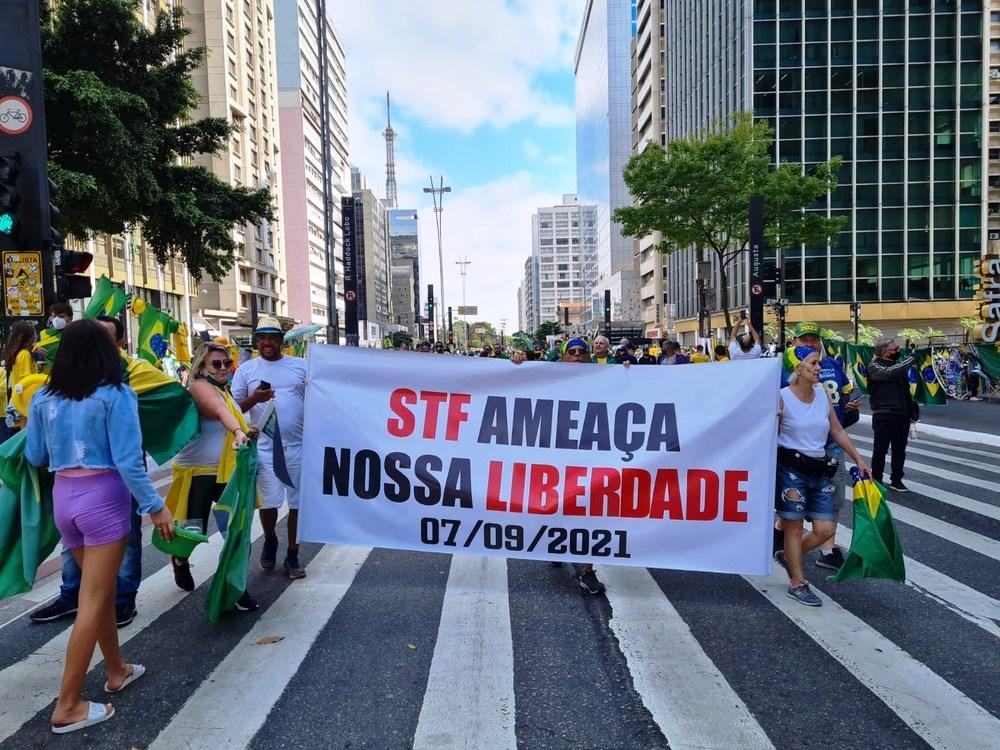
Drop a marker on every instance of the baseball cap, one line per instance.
(806, 328)
(267, 324)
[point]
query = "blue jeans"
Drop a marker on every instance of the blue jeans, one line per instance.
(129, 573)
(814, 496)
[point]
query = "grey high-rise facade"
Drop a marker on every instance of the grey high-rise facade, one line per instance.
(602, 71)
(893, 87)
(404, 248)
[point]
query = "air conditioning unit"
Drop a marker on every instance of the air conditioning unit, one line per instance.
(994, 234)
(995, 74)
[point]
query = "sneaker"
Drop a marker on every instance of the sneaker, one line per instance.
(59, 608)
(292, 567)
(269, 554)
(124, 614)
(831, 561)
(898, 487)
(589, 583)
(777, 540)
(182, 573)
(779, 557)
(804, 595)
(247, 603)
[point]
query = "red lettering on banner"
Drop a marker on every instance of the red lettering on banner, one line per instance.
(398, 401)
(635, 493)
(493, 500)
(734, 494)
(456, 415)
(573, 490)
(517, 488)
(604, 486)
(433, 399)
(702, 495)
(667, 495)
(543, 489)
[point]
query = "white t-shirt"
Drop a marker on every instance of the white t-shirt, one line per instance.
(735, 352)
(287, 377)
(805, 427)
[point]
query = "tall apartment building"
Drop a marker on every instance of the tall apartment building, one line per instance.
(895, 88)
(993, 148)
(527, 297)
(404, 249)
(648, 126)
(367, 268)
(238, 82)
(562, 237)
(312, 112)
(602, 74)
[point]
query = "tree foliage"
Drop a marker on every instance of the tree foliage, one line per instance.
(697, 193)
(549, 328)
(119, 101)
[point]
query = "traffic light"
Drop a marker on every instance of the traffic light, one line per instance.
(69, 283)
(607, 305)
(10, 168)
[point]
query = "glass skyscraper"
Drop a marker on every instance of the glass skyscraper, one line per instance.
(894, 88)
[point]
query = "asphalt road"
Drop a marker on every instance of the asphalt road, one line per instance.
(387, 649)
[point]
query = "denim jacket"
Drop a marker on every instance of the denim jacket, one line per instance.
(99, 432)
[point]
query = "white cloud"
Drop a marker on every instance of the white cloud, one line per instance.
(531, 149)
(491, 224)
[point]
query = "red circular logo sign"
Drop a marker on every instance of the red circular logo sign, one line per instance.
(756, 290)
(15, 115)
(350, 296)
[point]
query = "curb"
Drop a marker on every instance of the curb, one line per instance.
(949, 433)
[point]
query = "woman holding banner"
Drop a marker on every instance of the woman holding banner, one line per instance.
(804, 476)
(203, 466)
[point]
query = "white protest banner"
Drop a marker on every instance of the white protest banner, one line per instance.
(669, 467)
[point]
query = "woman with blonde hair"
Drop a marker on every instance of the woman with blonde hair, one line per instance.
(204, 466)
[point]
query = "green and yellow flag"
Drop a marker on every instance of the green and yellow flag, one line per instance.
(240, 496)
(28, 531)
(168, 416)
(108, 299)
(155, 328)
(875, 549)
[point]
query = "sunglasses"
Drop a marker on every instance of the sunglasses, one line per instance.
(218, 364)
(576, 352)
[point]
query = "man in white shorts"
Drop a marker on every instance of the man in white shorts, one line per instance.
(275, 376)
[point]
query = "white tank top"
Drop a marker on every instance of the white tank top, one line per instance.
(805, 427)
(206, 447)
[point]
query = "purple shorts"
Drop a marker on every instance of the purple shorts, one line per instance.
(92, 510)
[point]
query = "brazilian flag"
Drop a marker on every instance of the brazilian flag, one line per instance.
(108, 299)
(934, 393)
(155, 328)
(875, 549)
(49, 341)
(168, 416)
(240, 496)
(858, 358)
(28, 531)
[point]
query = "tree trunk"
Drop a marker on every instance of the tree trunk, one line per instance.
(724, 292)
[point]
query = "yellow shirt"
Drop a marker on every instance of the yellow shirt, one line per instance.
(24, 366)
(699, 358)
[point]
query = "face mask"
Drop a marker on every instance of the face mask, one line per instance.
(215, 382)
(57, 323)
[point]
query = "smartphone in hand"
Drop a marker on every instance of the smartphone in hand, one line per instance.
(264, 386)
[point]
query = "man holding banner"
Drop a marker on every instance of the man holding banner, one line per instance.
(272, 389)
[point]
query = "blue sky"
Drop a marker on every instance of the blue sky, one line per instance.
(483, 94)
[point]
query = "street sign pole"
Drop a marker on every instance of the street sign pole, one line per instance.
(757, 249)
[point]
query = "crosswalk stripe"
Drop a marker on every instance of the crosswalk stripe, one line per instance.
(469, 700)
(689, 698)
(979, 609)
(933, 708)
(949, 531)
(954, 499)
(254, 675)
(31, 684)
(947, 457)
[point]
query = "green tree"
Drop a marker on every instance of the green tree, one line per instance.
(118, 104)
(549, 328)
(697, 192)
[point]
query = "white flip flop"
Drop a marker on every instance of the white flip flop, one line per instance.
(137, 671)
(96, 713)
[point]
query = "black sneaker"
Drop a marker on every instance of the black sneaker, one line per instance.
(292, 567)
(832, 561)
(247, 603)
(182, 573)
(124, 614)
(589, 583)
(898, 487)
(54, 611)
(779, 557)
(269, 554)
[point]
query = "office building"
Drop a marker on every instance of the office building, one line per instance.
(402, 288)
(602, 74)
(562, 237)
(893, 87)
(237, 82)
(404, 248)
(367, 268)
(312, 113)
(527, 297)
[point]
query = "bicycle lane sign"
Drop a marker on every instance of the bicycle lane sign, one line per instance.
(15, 115)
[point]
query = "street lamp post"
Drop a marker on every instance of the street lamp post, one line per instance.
(465, 325)
(437, 194)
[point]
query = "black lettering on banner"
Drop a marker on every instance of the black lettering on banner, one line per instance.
(565, 424)
(532, 423)
(492, 538)
(626, 441)
(493, 428)
(602, 543)
(336, 470)
(429, 493)
(397, 489)
(557, 541)
(429, 531)
(595, 429)
(663, 429)
(452, 526)
(514, 537)
(458, 485)
(367, 474)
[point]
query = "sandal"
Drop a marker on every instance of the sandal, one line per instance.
(96, 713)
(182, 573)
(137, 671)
